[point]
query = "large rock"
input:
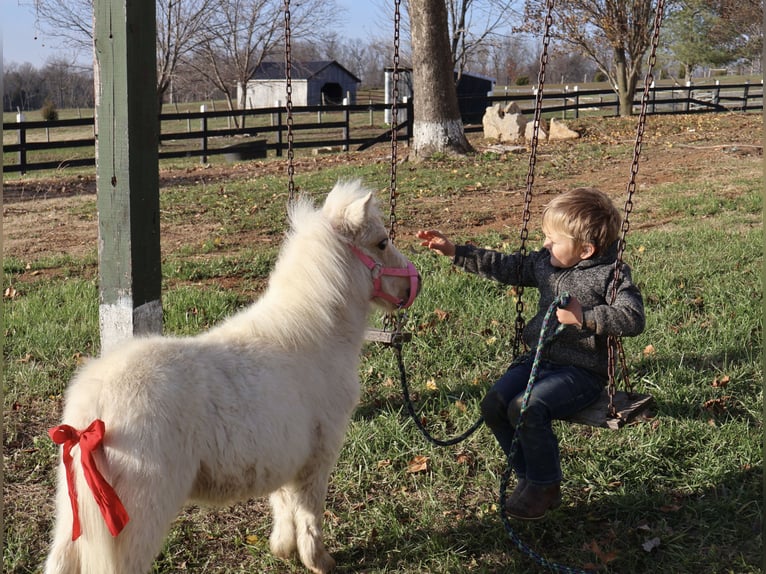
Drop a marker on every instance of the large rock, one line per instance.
(541, 134)
(557, 130)
(504, 124)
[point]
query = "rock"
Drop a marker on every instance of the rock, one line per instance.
(504, 125)
(557, 130)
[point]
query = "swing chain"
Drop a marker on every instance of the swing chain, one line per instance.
(615, 343)
(394, 122)
(526, 213)
(394, 321)
(289, 105)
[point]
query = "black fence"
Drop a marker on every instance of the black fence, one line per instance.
(255, 132)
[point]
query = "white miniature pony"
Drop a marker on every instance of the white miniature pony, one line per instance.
(258, 405)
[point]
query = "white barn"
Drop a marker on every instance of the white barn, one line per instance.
(313, 84)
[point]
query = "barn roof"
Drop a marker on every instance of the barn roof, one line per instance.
(298, 71)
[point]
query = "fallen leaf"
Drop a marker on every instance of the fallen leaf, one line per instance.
(252, 539)
(441, 314)
(431, 384)
(650, 545)
(384, 463)
(418, 464)
(10, 293)
(648, 350)
(460, 405)
(722, 382)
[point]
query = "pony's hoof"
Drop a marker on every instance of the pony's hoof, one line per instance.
(323, 565)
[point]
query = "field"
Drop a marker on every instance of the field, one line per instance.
(679, 491)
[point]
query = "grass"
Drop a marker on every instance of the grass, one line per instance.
(678, 492)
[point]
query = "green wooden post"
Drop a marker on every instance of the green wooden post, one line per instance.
(127, 170)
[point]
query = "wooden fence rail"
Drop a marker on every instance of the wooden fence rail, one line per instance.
(256, 131)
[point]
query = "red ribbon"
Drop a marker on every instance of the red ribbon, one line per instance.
(114, 513)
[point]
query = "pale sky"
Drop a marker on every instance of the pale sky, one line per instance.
(24, 42)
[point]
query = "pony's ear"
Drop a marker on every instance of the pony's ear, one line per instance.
(357, 212)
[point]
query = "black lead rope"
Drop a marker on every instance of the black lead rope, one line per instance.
(414, 415)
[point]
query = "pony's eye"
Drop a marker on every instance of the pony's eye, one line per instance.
(383, 244)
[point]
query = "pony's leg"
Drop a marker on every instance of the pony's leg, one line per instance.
(63, 557)
(309, 509)
(156, 502)
(282, 539)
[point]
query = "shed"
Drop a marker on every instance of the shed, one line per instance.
(472, 92)
(313, 84)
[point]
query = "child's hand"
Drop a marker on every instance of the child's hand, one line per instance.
(437, 241)
(571, 314)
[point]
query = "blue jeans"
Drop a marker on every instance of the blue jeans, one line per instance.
(558, 392)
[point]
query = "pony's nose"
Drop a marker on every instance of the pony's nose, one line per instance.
(417, 291)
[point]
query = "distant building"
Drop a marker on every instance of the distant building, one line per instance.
(472, 93)
(313, 84)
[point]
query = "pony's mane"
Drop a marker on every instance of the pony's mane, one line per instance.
(311, 281)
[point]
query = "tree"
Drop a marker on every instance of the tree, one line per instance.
(474, 23)
(615, 34)
(240, 34)
(178, 25)
(437, 127)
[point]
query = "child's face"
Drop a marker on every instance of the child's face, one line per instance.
(564, 252)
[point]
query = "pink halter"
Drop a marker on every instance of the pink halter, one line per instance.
(377, 271)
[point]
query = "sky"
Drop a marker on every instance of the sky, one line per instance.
(24, 42)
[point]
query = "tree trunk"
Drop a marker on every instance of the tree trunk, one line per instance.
(625, 87)
(437, 126)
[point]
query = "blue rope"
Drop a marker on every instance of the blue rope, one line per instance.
(549, 330)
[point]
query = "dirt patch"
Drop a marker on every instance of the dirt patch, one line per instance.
(56, 216)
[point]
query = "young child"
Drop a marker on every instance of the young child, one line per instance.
(581, 229)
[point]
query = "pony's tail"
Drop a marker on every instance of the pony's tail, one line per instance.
(95, 550)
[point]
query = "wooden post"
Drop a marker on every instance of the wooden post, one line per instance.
(127, 170)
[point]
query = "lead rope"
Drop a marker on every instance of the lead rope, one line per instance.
(548, 332)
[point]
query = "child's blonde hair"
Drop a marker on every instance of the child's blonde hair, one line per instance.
(585, 215)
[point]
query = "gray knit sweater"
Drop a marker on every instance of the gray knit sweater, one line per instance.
(590, 281)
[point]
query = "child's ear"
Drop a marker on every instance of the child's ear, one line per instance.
(587, 251)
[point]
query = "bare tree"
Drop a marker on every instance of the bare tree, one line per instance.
(178, 29)
(475, 23)
(437, 127)
(240, 34)
(615, 34)
(178, 25)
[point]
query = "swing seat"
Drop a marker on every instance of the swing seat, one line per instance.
(387, 337)
(628, 406)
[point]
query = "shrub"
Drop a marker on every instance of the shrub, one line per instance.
(522, 81)
(49, 111)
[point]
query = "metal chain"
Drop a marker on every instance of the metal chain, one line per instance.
(394, 321)
(526, 213)
(614, 343)
(394, 122)
(289, 105)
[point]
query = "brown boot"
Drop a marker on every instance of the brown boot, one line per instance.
(516, 494)
(535, 500)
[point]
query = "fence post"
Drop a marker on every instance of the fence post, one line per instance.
(371, 119)
(653, 89)
(688, 96)
(279, 133)
(346, 127)
(408, 110)
(577, 102)
(203, 127)
(745, 95)
(717, 92)
(22, 143)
